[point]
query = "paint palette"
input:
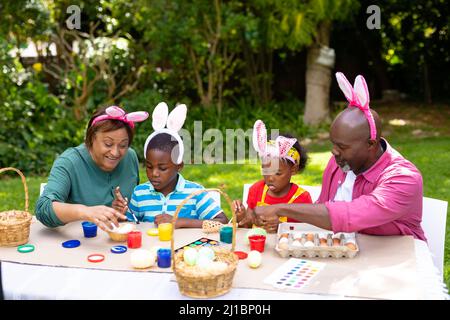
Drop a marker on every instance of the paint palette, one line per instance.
(294, 274)
(204, 242)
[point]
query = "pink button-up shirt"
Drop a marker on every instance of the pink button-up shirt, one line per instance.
(387, 198)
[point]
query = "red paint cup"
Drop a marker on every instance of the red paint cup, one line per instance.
(134, 239)
(257, 242)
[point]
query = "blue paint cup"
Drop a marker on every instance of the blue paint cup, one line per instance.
(89, 229)
(164, 256)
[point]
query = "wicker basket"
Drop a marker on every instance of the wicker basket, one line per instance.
(15, 224)
(197, 285)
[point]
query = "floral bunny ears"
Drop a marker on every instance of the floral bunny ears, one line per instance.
(358, 96)
(282, 147)
(117, 113)
(174, 121)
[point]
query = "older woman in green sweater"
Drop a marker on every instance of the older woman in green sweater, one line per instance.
(82, 181)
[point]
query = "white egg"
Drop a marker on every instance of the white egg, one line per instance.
(254, 259)
(309, 244)
(203, 262)
(141, 259)
(216, 267)
(190, 256)
(207, 252)
(283, 244)
(125, 228)
(296, 243)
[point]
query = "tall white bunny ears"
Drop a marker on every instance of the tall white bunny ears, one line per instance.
(174, 121)
(358, 96)
(281, 148)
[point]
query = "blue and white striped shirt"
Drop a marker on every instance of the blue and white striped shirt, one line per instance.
(146, 202)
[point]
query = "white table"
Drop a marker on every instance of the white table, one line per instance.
(21, 281)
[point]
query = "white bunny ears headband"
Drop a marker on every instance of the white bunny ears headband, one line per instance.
(174, 121)
(282, 147)
(358, 96)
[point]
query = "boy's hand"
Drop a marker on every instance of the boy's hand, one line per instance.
(119, 203)
(163, 218)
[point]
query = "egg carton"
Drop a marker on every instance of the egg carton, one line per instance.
(304, 240)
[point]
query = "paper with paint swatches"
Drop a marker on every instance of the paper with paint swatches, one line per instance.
(294, 274)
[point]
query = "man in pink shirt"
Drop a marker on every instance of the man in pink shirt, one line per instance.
(367, 186)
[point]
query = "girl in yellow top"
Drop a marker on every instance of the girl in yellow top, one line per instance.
(281, 159)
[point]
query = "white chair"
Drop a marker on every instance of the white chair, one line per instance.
(41, 190)
(434, 217)
(215, 196)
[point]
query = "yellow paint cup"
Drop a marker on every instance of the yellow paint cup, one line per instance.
(165, 231)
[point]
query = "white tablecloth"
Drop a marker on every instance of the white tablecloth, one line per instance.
(21, 281)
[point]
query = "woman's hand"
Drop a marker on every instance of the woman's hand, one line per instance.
(163, 218)
(104, 217)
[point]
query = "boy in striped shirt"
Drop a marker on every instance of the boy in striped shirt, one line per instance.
(157, 199)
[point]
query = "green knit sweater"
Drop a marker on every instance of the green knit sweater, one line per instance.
(75, 178)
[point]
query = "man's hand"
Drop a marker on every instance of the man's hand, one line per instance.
(267, 218)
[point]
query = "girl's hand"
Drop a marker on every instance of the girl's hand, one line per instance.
(163, 218)
(239, 210)
(248, 220)
(104, 217)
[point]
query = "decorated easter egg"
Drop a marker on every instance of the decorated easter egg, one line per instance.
(190, 256)
(254, 259)
(141, 259)
(253, 232)
(206, 252)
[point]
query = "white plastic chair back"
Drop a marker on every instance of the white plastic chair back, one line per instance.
(215, 196)
(434, 217)
(41, 190)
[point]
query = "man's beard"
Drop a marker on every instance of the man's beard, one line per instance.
(346, 168)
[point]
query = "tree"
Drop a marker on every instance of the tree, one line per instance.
(295, 25)
(318, 74)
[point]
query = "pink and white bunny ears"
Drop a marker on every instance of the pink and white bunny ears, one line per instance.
(117, 113)
(174, 121)
(282, 147)
(358, 96)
